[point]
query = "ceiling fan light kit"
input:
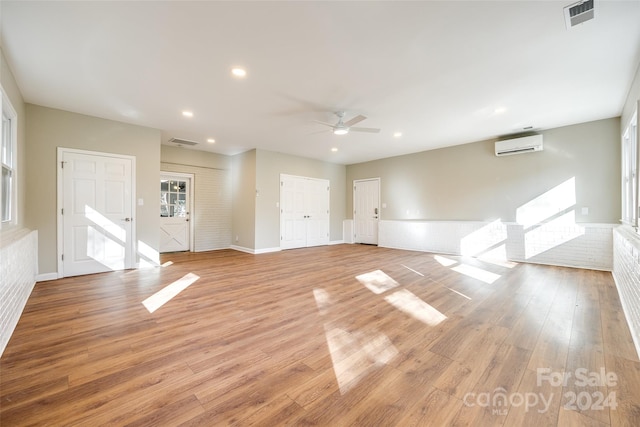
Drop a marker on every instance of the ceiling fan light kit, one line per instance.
(343, 128)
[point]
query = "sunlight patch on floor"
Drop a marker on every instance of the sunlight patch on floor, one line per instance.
(354, 354)
(377, 281)
(407, 302)
(477, 273)
(165, 294)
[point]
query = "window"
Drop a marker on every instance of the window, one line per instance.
(8, 163)
(630, 173)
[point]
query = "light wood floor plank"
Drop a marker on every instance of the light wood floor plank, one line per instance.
(300, 338)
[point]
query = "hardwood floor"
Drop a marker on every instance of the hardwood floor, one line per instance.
(338, 335)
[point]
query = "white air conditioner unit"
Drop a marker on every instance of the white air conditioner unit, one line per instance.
(525, 144)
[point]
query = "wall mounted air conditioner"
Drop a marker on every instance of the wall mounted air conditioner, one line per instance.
(525, 144)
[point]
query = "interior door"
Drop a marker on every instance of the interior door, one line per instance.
(366, 210)
(293, 232)
(304, 212)
(174, 213)
(97, 213)
(317, 209)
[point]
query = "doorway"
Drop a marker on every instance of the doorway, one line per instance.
(176, 227)
(366, 210)
(304, 212)
(96, 193)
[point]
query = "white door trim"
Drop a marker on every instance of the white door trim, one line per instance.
(191, 178)
(60, 203)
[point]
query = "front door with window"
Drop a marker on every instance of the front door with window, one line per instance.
(174, 213)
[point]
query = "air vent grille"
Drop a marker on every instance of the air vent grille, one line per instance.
(182, 141)
(579, 13)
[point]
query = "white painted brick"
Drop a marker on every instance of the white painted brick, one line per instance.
(572, 245)
(626, 272)
(18, 270)
(212, 213)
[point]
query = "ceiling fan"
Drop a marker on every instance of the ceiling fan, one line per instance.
(343, 128)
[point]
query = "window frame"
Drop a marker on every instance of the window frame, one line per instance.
(6, 109)
(629, 173)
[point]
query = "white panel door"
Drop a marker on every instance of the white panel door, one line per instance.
(317, 209)
(304, 212)
(96, 213)
(293, 232)
(174, 213)
(366, 208)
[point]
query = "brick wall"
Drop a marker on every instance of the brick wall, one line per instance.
(566, 244)
(626, 272)
(18, 269)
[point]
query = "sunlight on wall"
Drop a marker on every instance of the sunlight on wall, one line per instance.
(407, 302)
(551, 203)
(149, 257)
(483, 239)
(165, 294)
(549, 220)
(551, 234)
(377, 281)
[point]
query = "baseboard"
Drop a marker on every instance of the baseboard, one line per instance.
(336, 242)
(46, 277)
(266, 250)
(254, 251)
(242, 249)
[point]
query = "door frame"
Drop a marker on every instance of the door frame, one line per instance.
(60, 203)
(354, 205)
(191, 177)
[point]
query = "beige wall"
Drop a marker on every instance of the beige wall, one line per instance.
(269, 167)
(243, 184)
(48, 129)
(186, 156)
(468, 182)
(10, 87)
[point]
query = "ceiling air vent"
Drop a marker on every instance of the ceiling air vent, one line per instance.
(578, 13)
(182, 141)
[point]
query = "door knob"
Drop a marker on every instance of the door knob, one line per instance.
(128, 219)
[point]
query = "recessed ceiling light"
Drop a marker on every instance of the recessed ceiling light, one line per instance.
(211, 140)
(499, 110)
(187, 113)
(334, 149)
(239, 72)
(397, 134)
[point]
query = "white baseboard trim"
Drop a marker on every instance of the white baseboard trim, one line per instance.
(336, 242)
(254, 251)
(266, 250)
(242, 249)
(46, 277)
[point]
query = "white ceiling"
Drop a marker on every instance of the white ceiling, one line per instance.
(439, 72)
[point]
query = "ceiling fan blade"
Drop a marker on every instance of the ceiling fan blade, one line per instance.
(324, 123)
(356, 119)
(370, 130)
